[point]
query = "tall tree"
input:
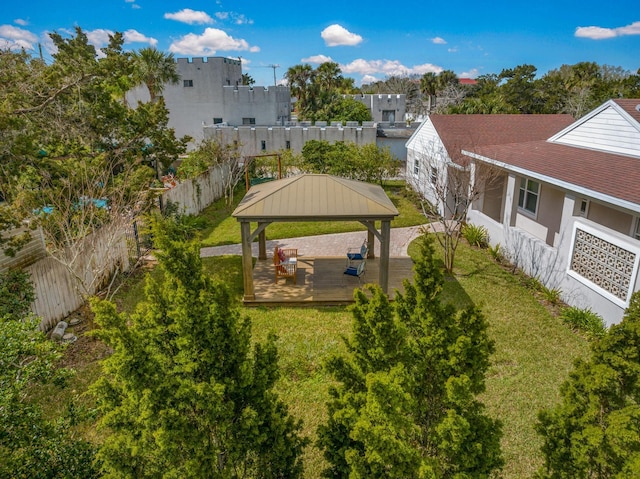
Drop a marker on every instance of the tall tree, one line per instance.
(154, 69)
(75, 153)
(519, 88)
(595, 431)
(184, 393)
(405, 404)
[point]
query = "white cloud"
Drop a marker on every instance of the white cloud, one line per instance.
(21, 22)
(190, 17)
(316, 59)
(134, 36)
(387, 67)
(439, 41)
(16, 38)
(211, 41)
(474, 72)
(368, 79)
(601, 33)
(452, 50)
(336, 35)
(237, 18)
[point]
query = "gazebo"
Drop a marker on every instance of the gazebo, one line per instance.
(314, 197)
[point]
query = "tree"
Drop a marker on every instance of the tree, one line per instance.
(248, 79)
(184, 393)
(447, 189)
(76, 154)
(154, 69)
(405, 404)
(30, 444)
(365, 163)
(595, 431)
(429, 87)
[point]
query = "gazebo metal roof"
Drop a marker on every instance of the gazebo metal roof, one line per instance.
(314, 197)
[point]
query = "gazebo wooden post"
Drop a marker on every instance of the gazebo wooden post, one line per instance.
(247, 261)
(385, 246)
(371, 242)
(262, 244)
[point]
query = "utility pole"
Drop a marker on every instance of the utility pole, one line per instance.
(274, 72)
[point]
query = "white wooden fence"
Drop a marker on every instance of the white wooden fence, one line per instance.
(59, 292)
(196, 194)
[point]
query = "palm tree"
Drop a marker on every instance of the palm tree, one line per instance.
(154, 69)
(299, 78)
(429, 87)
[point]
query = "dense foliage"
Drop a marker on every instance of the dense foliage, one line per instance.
(595, 431)
(185, 394)
(31, 445)
(368, 163)
(406, 401)
(72, 149)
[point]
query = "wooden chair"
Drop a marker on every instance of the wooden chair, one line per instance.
(285, 262)
(358, 253)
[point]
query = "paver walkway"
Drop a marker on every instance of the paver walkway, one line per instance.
(327, 245)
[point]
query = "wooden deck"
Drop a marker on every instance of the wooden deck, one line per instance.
(322, 281)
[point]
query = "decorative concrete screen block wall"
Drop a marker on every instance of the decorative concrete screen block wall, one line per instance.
(604, 262)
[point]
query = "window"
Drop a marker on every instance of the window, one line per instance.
(389, 115)
(287, 145)
(636, 231)
(416, 167)
(584, 208)
(529, 194)
(187, 83)
(248, 121)
(434, 175)
(217, 121)
(263, 145)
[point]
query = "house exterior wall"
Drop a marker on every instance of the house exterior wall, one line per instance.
(607, 130)
(250, 139)
(382, 106)
(525, 241)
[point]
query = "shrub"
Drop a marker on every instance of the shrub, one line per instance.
(496, 253)
(476, 235)
(552, 296)
(584, 320)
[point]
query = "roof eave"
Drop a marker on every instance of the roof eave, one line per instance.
(635, 207)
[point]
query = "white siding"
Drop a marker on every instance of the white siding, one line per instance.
(608, 131)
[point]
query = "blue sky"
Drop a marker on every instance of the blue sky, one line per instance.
(369, 40)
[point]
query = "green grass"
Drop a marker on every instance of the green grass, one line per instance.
(222, 229)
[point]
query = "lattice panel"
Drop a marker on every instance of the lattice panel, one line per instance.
(603, 263)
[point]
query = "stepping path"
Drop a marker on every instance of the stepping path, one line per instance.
(329, 244)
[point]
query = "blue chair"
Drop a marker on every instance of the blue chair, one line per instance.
(358, 253)
(357, 271)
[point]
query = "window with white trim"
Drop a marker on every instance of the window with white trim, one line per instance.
(529, 195)
(636, 231)
(187, 83)
(434, 175)
(416, 167)
(584, 208)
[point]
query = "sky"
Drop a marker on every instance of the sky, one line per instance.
(369, 40)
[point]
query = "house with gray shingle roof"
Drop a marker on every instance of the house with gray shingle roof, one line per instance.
(565, 206)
